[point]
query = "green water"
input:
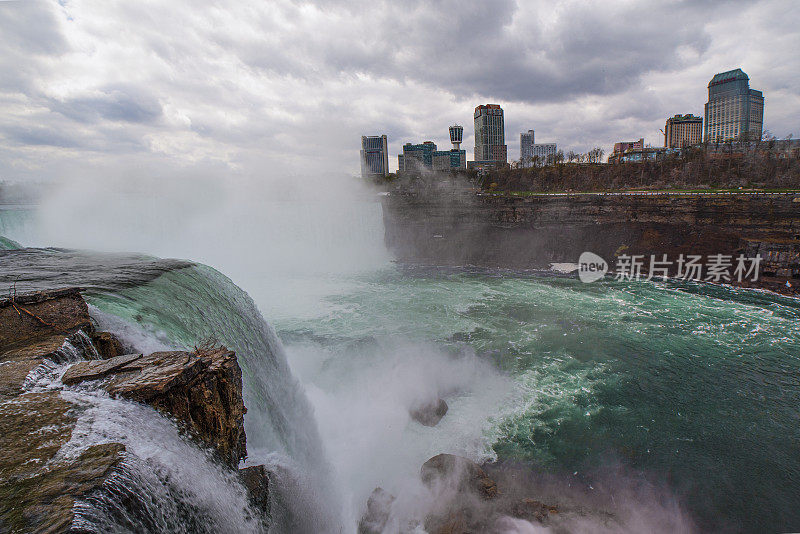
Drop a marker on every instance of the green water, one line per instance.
(696, 388)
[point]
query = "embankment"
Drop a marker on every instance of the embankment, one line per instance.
(461, 228)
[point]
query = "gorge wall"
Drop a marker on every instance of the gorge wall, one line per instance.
(458, 228)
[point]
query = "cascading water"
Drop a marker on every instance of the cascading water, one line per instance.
(197, 304)
(157, 304)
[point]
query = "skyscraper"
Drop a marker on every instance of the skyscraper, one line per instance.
(374, 155)
(490, 137)
(682, 131)
(734, 111)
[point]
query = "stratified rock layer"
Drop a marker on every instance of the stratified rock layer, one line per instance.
(530, 232)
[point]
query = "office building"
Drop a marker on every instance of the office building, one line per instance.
(682, 131)
(734, 112)
(425, 156)
(374, 156)
(531, 152)
(490, 137)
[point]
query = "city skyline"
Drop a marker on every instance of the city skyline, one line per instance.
(225, 98)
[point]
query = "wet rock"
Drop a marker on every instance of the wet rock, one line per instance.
(429, 414)
(379, 508)
(94, 369)
(38, 490)
(255, 479)
(459, 473)
(531, 510)
(107, 344)
(201, 390)
(36, 316)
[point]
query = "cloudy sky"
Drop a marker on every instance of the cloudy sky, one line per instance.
(287, 87)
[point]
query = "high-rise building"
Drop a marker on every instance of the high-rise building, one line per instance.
(374, 155)
(530, 152)
(417, 157)
(682, 131)
(734, 111)
(490, 137)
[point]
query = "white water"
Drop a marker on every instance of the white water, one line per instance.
(290, 255)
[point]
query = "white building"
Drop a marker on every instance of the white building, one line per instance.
(530, 151)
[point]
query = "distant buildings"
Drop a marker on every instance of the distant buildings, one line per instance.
(530, 152)
(734, 111)
(490, 137)
(416, 157)
(425, 156)
(374, 156)
(682, 131)
(623, 147)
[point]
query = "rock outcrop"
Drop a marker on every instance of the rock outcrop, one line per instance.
(429, 413)
(255, 479)
(36, 316)
(458, 473)
(468, 500)
(200, 390)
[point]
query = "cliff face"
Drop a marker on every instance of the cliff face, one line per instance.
(531, 232)
(200, 390)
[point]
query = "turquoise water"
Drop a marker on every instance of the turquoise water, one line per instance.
(695, 388)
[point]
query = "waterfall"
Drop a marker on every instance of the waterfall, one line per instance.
(197, 304)
(155, 304)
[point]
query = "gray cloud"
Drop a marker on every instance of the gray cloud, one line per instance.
(292, 85)
(127, 105)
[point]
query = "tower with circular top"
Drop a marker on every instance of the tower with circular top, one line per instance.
(456, 135)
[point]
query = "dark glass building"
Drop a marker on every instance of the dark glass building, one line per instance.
(734, 112)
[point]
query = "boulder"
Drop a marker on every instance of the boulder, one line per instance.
(462, 474)
(429, 413)
(379, 508)
(255, 479)
(107, 344)
(201, 390)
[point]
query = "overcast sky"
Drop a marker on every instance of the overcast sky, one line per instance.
(281, 86)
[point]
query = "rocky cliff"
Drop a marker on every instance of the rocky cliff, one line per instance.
(533, 231)
(200, 390)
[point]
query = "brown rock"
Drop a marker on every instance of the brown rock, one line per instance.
(463, 474)
(429, 414)
(255, 479)
(531, 510)
(201, 390)
(94, 369)
(107, 344)
(35, 316)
